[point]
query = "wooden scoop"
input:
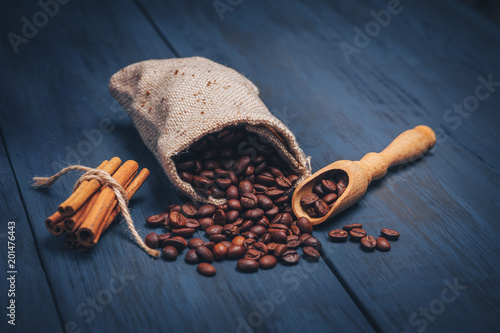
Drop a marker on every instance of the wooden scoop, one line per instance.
(408, 146)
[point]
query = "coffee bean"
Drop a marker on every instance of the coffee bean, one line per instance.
(192, 257)
(235, 252)
(209, 245)
(206, 222)
(313, 242)
(280, 249)
(303, 237)
(248, 200)
(234, 204)
(266, 238)
(356, 234)
(151, 240)
(155, 221)
(328, 186)
(283, 182)
(253, 254)
(368, 243)
(305, 225)
(225, 137)
(162, 238)
(253, 214)
(263, 221)
(330, 198)
(275, 172)
(169, 253)
(206, 269)
(321, 207)
(293, 242)
(230, 230)
(177, 220)
(383, 244)
(245, 187)
(192, 223)
(189, 210)
(217, 238)
(338, 235)
(258, 230)
(195, 242)
(232, 192)
(232, 216)
(271, 213)
(259, 189)
(311, 254)
(290, 257)
(261, 247)
(184, 232)
(241, 165)
(349, 227)
(238, 240)
(390, 234)
(220, 217)
(274, 193)
(308, 199)
(247, 265)
(318, 189)
(203, 182)
(224, 207)
(214, 230)
(248, 243)
(219, 251)
(204, 254)
(185, 165)
(295, 230)
(278, 236)
(265, 179)
(247, 225)
(267, 262)
(293, 178)
(178, 242)
(264, 202)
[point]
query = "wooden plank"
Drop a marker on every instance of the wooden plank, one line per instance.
(26, 277)
(54, 100)
(428, 58)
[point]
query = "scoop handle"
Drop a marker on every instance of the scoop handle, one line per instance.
(406, 147)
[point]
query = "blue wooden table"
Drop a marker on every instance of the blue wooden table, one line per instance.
(346, 77)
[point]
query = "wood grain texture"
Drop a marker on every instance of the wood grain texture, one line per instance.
(426, 60)
(56, 107)
(30, 277)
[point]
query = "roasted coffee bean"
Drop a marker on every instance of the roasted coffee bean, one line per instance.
(234, 204)
(203, 182)
(278, 236)
(274, 193)
(266, 238)
(217, 238)
(390, 234)
(259, 189)
(248, 201)
(253, 214)
(249, 234)
(195, 242)
(189, 210)
(383, 244)
(205, 254)
(220, 217)
(330, 198)
(206, 211)
(225, 137)
(226, 243)
(192, 257)
(232, 192)
(368, 243)
(235, 252)
(245, 187)
(214, 230)
(219, 251)
(247, 225)
(232, 216)
(260, 166)
(303, 237)
(305, 225)
(271, 247)
(223, 207)
(271, 213)
(238, 222)
(184, 232)
(318, 189)
(265, 179)
(290, 257)
(263, 221)
(208, 154)
(172, 208)
(169, 253)
(313, 242)
(177, 220)
(328, 186)
(258, 230)
(293, 242)
(249, 242)
(284, 218)
(340, 190)
(206, 222)
(247, 265)
(282, 201)
(338, 235)
(280, 227)
(309, 199)
(209, 245)
(280, 249)
(211, 165)
(260, 246)
(155, 221)
(249, 170)
(253, 254)
(321, 207)
(230, 230)
(238, 240)
(311, 211)
(283, 182)
(206, 269)
(223, 182)
(152, 240)
(295, 230)
(216, 192)
(264, 202)
(241, 165)
(178, 242)
(275, 172)
(192, 223)
(293, 178)
(184, 165)
(267, 262)
(162, 238)
(356, 234)
(311, 254)
(349, 227)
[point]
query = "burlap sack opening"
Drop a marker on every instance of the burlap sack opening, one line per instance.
(176, 102)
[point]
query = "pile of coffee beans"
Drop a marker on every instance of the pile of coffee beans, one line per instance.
(256, 226)
(324, 194)
(356, 233)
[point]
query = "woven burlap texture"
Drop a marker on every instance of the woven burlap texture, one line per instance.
(175, 102)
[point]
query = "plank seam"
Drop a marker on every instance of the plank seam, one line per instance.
(58, 311)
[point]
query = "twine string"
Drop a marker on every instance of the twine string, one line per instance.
(106, 180)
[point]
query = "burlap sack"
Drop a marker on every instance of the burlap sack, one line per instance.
(175, 102)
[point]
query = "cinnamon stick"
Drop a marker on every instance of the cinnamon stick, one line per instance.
(54, 223)
(87, 189)
(103, 206)
(70, 241)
